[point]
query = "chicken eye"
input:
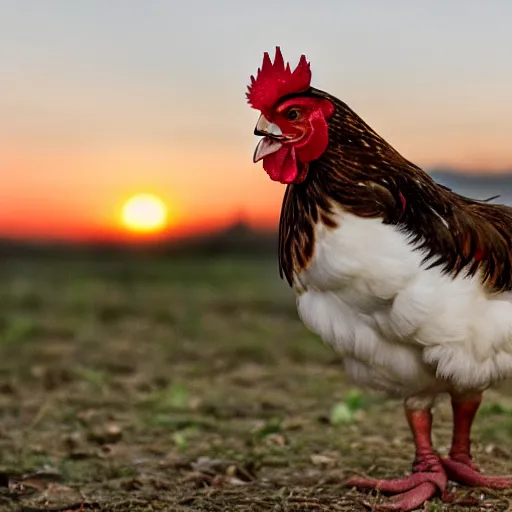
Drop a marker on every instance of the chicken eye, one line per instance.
(293, 114)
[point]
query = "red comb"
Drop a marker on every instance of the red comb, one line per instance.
(274, 81)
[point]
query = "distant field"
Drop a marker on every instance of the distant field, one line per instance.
(190, 385)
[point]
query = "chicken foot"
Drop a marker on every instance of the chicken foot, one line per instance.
(428, 477)
(459, 465)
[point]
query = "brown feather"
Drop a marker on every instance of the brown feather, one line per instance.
(365, 176)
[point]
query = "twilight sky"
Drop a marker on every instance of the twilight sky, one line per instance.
(100, 99)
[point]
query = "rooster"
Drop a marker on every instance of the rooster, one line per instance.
(408, 281)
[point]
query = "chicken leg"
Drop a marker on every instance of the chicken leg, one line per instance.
(459, 465)
(428, 477)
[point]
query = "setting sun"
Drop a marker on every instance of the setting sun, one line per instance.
(145, 213)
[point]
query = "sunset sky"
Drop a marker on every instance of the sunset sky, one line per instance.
(103, 99)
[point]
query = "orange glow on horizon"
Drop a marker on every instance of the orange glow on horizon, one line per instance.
(74, 230)
(77, 194)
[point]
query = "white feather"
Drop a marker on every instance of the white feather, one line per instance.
(400, 327)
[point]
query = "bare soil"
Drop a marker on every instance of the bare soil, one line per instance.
(192, 386)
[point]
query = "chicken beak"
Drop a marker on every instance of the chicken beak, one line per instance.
(270, 143)
(265, 127)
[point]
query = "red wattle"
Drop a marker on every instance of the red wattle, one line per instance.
(282, 165)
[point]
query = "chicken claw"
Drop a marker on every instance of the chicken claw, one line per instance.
(409, 492)
(464, 472)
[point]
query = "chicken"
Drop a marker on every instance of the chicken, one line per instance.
(408, 281)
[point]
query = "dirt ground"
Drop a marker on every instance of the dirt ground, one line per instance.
(192, 386)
